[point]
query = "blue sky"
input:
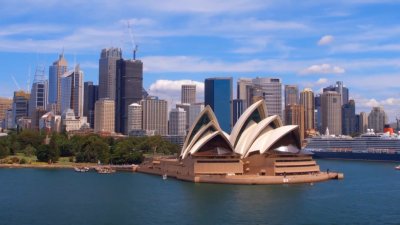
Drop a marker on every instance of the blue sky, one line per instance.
(309, 43)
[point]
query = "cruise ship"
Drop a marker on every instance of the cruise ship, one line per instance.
(368, 146)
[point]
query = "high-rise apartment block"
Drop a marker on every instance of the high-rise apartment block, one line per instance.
(104, 114)
(155, 113)
(108, 72)
(188, 94)
(291, 94)
(72, 91)
(90, 96)
(129, 83)
(331, 112)
(56, 71)
(377, 119)
(177, 122)
(307, 101)
(349, 118)
(218, 95)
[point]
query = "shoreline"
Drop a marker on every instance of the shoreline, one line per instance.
(46, 166)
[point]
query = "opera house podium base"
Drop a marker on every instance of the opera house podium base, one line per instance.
(231, 170)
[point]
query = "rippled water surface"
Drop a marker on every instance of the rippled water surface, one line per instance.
(369, 194)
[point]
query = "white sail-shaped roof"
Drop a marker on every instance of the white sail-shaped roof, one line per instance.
(266, 140)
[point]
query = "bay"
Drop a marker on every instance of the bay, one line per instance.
(369, 194)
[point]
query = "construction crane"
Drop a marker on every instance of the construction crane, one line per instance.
(134, 45)
(15, 82)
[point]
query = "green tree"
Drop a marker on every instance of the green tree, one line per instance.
(45, 153)
(93, 149)
(30, 137)
(29, 150)
(126, 153)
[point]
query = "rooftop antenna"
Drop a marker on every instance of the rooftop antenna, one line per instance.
(134, 45)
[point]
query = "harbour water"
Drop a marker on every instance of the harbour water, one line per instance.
(369, 194)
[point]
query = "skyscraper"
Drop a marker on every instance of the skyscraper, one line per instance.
(307, 101)
(291, 95)
(104, 114)
(72, 91)
(349, 118)
(39, 97)
(194, 111)
(244, 88)
(331, 112)
(134, 117)
(155, 113)
(294, 115)
(108, 72)
(377, 119)
(363, 123)
(318, 113)
(5, 104)
(20, 107)
(177, 122)
(90, 96)
(341, 89)
(270, 89)
(188, 93)
(218, 95)
(129, 81)
(56, 71)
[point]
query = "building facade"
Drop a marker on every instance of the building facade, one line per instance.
(188, 93)
(90, 96)
(72, 91)
(56, 71)
(307, 101)
(349, 118)
(294, 115)
(129, 82)
(218, 95)
(341, 89)
(269, 89)
(108, 72)
(104, 116)
(155, 116)
(377, 119)
(5, 104)
(331, 112)
(20, 107)
(177, 122)
(134, 117)
(291, 95)
(363, 122)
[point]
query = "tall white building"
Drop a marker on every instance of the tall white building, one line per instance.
(177, 122)
(155, 115)
(104, 116)
(269, 89)
(331, 112)
(71, 123)
(194, 111)
(72, 91)
(134, 117)
(377, 119)
(363, 122)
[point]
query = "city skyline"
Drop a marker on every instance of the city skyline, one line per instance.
(334, 41)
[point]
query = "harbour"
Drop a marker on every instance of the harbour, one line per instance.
(63, 195)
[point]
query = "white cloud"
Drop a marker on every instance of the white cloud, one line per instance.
(323, 69)
(325, 40)
(170, 90)
(321, 81)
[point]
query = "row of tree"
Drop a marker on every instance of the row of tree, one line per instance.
(90, 148)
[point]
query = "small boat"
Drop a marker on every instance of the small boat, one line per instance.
(397, 167)
(164, 177)
(81, 169)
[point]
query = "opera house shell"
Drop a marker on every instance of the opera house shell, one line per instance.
(259, 150)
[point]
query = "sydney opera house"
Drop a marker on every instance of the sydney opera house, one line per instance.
(259, 150)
